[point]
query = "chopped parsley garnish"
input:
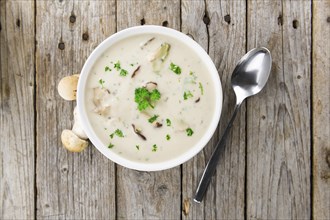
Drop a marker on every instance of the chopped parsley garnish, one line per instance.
(189, 131)
(154, 148)
(187, 95)
(118, 133)
(153, 118)
(137, 147)
(107, 68)
(123, 72)
(175, 68)
(168, 122)
(117, 65)
(146, 99)
(101, 81)
(168, 137)
(201, 88)
(111, 145)
(154, 95)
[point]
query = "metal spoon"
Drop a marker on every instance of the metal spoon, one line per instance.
(249, 77)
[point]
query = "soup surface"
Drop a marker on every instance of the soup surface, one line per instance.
(149, 98)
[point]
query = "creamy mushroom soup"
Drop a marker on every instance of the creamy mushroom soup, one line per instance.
(149, 98)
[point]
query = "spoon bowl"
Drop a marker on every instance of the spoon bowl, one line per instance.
(251, 73)
(249, 78)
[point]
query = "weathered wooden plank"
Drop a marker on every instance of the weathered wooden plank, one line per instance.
(219, 26)
(278, 122)
(321, 110)
(148, 195)
(297, 76)
(17, 109)
(69, 185)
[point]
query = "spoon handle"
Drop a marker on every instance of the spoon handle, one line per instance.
(212, 164)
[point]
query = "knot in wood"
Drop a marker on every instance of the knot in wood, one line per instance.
(227, 18)
(165, 23)
(61, 46)
(206, 19)
(18, 22)
(295, 24)
(85, 36)
(72, 19)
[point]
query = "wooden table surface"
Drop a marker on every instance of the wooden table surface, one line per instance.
(277, 160)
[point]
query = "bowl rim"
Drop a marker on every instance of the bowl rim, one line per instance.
(149, 166)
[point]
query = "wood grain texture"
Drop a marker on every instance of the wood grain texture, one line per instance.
(270, 144)
(219, 26)
(278, 122)
(193, 25)
(69, 185)
(17, 109)
(148, 195)
(321, 110)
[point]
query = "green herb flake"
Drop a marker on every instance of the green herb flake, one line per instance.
(168, 137)
(153, 118)
(154, 95)
(187, 95)
(118, 133)
(168, 122)
(201, 88)
(146, 99)
(175, 68)
(154, 148)
(142, 98)
(189, 131)
(123, 72)
(137, 147)
(117, 66)
(110, 145)
(107, 69)
(101, 81)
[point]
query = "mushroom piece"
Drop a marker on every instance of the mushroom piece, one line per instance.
(142, 45)
(72, 142)
(160, 53)
(102, 101)
(135, 71)
(151, 86)
(186, 206)
(67, 87)
(158, 57)
(138, 132)
(77, 127)
(157, 124)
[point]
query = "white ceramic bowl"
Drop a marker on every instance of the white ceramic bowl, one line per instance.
(147, 166)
